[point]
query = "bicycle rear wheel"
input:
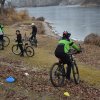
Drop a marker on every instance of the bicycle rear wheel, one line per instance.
(29, 51)
(33, 42)
(16, 49)
(57, 75)
(75, 73)
(6, 41)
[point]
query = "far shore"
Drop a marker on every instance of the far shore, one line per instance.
(82, 5)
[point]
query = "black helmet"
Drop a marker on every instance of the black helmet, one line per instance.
(69, 34)
(18, 31)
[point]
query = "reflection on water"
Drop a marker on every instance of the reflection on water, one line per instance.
(77, 20)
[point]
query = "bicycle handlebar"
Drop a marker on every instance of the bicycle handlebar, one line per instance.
(72, 51)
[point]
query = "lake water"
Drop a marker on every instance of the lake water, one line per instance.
(79, 21)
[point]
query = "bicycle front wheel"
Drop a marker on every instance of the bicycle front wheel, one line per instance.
(6, 41)
(16, 49)
(75, 73)
(29, 51)
(57, 75)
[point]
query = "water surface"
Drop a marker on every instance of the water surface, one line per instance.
(79, 21)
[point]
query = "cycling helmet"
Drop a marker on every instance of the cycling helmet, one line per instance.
(18, 31)
(66, 34)
(32, 24)
(69, 34)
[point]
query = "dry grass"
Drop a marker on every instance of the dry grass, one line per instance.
(11, 16)
(90, 55)
(41, 53)
(89, 74)
(44, 57)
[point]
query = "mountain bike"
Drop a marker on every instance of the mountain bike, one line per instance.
(58, 71)
(33, 42)
(27, 49)
(6, 41)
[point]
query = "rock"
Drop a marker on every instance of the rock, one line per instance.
(26, 74)
(93, 39)
(40, 19)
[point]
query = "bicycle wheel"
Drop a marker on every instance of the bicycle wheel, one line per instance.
(57, 75)
(6, 41)
(75, 73)
(33, 42)
(16, 49)
(29, 51)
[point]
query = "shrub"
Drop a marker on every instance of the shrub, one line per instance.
(11, 16)
(23, 14)
(93, 39)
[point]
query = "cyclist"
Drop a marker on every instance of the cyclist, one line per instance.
(63, 48)
(1, 36)
(34, 32)
(20, 42)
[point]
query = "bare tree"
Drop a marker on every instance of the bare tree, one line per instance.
(2, 2)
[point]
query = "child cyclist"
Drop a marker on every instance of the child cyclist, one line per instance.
(20, 42)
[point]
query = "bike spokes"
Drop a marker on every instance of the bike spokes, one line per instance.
(29, 51)
(56, 75)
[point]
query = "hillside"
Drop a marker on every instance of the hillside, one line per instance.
(71, 2)
(91, 3)
(35, 3)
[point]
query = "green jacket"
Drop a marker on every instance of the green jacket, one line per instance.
(68, 45)
(1, 28)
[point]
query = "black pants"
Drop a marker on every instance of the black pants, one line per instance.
(33, 36)
(66, 60)
(21, 48)
(1, 40)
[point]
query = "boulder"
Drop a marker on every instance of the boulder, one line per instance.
(40, 19)
(93, 39)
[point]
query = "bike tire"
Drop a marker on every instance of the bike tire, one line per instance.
(29, 51)
(6, 41)
(75, 73)
(16, 49)
(55, 73)
(33, 42)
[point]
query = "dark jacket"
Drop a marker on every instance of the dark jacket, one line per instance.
(34, 30)
(19, 38)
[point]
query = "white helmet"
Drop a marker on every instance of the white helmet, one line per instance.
(32, 24)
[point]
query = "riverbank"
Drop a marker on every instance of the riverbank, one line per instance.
(36, 85)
